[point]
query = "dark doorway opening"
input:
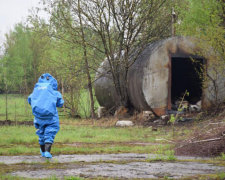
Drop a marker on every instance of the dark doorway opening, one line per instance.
(187, 74)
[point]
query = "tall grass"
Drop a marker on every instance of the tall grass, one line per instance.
(18, 108)
(84, 107)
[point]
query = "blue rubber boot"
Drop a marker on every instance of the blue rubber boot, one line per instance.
(48, 154)
(47, 150)
(42, 153)
(42, 150)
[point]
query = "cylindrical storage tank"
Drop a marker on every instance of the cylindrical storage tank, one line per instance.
(154, 77)
(144, 78)
(104, 87)
(149, 78)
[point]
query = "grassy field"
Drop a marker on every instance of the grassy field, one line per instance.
(78, 136)
(82, 139)
(85, 136)
(75, 136)
(81, 136)
(18, 108)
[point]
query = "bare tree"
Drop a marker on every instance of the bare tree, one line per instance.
(64, 26)
(86, 61)
(123, 28)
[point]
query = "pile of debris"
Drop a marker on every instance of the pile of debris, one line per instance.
(185, 106)
(209, 143)
(183, 111)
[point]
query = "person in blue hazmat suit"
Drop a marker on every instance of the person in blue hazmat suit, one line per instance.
(44, 101)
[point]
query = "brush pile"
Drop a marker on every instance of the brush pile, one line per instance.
(207, 141)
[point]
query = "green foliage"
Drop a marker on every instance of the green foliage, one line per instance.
(18, 108)
(84, 104)
(65, 62)
(179, 109)
(172, 119)
(222, 157)
(221, 175)
(56, 47)
(204, 20)
(164, 155)
(73, 178)
(10, 177)
(30, 52)
(17, 62)
(170, 155)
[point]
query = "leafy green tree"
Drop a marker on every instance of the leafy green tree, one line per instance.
(41, 46)
(72, 38)
(204, 20)
(119, 27)
(18, 59)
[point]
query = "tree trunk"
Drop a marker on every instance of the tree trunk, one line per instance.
(86, 63)
(6, 103)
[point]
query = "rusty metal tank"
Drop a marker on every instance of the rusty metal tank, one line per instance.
(159, 76)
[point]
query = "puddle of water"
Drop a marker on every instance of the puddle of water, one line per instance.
(128, 170)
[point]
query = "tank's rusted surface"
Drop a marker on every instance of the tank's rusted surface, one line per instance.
(149, 78)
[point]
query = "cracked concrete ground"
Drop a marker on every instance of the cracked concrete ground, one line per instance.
(127, 165)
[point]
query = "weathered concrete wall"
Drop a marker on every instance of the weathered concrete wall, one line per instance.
(214, 89)
(149, 78)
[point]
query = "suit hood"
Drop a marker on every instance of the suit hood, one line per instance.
(48, 78)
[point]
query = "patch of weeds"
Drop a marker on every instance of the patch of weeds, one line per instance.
(158, 157)
(171, 158)
(73, 178)
(165, 177)
(217, 176)
(222, 157)
(47, 161)
(221, 176)
(170, 155)
(55, 161)
(163, 149)
(167, 155)
(219, 160)
(53, 178)
(23, 162)
(10, 177)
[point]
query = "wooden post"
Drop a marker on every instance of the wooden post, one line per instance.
(173, 20)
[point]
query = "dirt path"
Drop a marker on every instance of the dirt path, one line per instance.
(108, 165)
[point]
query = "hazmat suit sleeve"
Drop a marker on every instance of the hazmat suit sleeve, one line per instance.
(60, 100)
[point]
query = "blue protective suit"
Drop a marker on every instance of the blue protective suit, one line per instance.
(44, 100)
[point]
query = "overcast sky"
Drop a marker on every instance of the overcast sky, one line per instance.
(13, 12)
